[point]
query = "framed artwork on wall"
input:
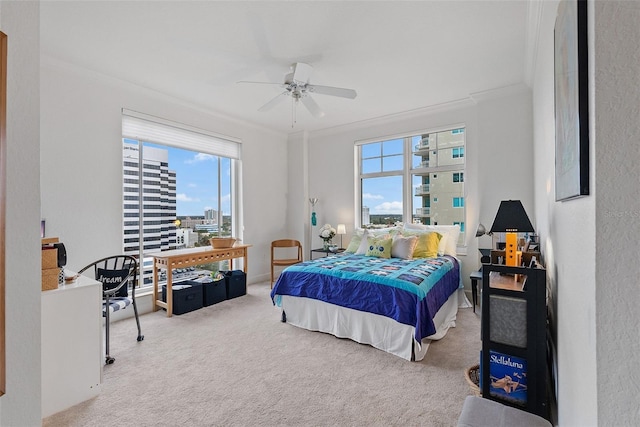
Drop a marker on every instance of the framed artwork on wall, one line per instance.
(571, 100)
(3, 154)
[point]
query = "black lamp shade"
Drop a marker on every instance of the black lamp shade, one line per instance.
(511, 217)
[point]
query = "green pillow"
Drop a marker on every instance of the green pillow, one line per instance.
(379, 247)
(354, 244)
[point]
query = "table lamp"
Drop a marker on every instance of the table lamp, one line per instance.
(341, 229)
(511, 219)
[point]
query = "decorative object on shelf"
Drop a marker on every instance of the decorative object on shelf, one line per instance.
(313, 201)
(511, 219)
(341, 229)
(326, 234)
(571, 100)
(222, 242)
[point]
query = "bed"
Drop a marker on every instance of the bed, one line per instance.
(394, 304)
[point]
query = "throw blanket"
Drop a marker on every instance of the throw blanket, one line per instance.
(408, 291)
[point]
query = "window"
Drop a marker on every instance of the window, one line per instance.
(381, 170)
(461, 224)
(182, 194)
(457, 152)
(403, 179)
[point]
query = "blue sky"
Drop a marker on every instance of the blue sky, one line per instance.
(197, 181)
(382, 195)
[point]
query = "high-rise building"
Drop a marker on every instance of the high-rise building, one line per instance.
(158, 196)
(211, 215)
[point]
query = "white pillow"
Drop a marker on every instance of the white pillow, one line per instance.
(402, 247)
(364, 244)
(450, 233)
(377, 232)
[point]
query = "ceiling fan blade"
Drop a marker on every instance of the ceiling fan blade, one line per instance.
(275, 101)
(302, 72)
(311, 105)
(333, 91)
(260, 83)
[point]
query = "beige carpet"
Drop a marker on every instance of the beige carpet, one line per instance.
(235, 363)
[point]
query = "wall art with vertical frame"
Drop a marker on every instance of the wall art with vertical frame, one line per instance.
(571, 100)
(3, 155)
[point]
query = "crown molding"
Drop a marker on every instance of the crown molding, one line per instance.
(392, 118)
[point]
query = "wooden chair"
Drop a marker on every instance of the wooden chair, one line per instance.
(283, 262)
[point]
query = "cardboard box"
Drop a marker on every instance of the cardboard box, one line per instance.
(50, 278)
(49, 257)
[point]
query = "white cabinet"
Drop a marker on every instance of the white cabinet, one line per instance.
(71, 344)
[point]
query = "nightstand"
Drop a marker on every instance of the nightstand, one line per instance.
(326, 252)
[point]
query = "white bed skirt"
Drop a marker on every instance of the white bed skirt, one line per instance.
(366, 328)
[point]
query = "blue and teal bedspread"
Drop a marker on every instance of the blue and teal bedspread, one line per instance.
(408, 291)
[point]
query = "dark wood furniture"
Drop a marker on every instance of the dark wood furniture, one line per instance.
(475, 276)
(525, 256)
(326, 252)
(514, 323)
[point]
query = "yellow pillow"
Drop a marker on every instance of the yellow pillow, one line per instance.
(427, 246)
(379, 247)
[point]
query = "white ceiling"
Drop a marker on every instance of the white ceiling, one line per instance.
(398, 56)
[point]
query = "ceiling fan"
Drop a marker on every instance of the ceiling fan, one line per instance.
(296, 85)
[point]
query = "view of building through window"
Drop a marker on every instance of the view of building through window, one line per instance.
(186, 200)
(435, 175)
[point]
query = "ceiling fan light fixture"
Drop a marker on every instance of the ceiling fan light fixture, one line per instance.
(296, 84)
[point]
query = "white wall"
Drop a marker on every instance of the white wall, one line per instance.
(616, 76)
(20, 406)
(589, 243)
(567, 232)
(498, 155)
(82, 163)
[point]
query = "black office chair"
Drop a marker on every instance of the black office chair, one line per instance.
(116, 273)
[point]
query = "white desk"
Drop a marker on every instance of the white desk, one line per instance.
(71, 344)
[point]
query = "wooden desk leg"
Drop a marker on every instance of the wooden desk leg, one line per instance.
(155, 285)
(169, 291)
(246, 261)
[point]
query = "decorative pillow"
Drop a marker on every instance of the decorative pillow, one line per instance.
(364, 244)
(379, 232)
(450, 233)
(379, 247)
(111, 279)
(403, 247)
(354, 244)
(427, 245)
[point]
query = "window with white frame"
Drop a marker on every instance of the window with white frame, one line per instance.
(181, 196)
(401, 179)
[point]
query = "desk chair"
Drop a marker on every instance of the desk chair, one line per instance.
(116, 274)
(278, 247)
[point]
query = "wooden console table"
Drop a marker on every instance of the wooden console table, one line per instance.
(181, 258)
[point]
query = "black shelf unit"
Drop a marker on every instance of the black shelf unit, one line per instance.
(518, 329)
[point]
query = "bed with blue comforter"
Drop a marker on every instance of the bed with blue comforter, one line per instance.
(409, 292)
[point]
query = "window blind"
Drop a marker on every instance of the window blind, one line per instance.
(146, 128)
